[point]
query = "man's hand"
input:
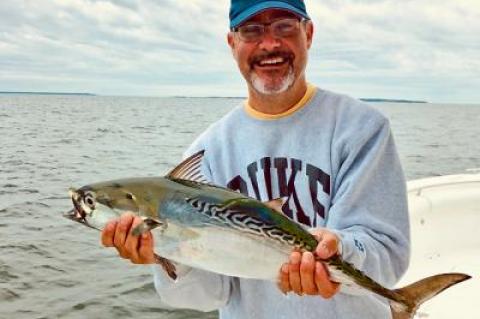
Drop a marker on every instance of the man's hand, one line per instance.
(305, 276)
(138, 249)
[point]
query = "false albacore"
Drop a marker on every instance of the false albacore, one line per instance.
(219, 230)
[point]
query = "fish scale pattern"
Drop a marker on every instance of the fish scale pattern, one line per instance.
(245, 223)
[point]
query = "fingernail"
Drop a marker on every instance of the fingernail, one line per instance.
(295, 258)
(322, 250)
(308, 256)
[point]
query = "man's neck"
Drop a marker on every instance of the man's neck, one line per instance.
(277, 103)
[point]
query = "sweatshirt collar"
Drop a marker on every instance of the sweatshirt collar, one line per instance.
(300, 104)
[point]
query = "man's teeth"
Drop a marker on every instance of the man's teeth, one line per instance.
(272, 61)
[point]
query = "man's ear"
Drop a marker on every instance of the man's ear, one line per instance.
(230, 39)
(309, 30)
(231, 42)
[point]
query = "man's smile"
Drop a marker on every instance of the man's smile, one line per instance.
(272, 62)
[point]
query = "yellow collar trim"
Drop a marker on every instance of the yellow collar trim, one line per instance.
(264, 116)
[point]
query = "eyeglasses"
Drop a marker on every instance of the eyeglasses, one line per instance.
(282, 28)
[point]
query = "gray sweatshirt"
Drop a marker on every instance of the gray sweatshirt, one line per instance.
(335, 159)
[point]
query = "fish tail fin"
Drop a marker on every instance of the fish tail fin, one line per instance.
(413, 295)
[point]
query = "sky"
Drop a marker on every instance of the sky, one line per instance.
(399, 49)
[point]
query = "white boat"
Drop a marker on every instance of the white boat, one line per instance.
(445, 229)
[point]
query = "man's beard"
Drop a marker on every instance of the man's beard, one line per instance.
(274, 84)
(262, 86)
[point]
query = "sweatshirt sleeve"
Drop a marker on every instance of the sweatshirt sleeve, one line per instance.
(369, 208)
(194, 288)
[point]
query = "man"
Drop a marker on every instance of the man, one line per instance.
(331, 156)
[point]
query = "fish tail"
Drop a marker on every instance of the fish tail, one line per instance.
(413, 295)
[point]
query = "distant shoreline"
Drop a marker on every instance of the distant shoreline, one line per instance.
(46, 93)
(375, 100)
(371, 100)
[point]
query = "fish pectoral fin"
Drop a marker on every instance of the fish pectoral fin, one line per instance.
(146, 225)
(167, 266)
(276, 204)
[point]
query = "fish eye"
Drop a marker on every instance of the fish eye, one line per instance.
(129, 196)
(89, 201)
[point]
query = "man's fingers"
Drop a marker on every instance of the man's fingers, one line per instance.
(307, 271)
(326, 288)
(327, 247)
(132, 242)
(108, 233)
(294, 272)
(145, 251)
(305, 274)
(121, 233)
(283, 279)
(327, 244)
(117, 233)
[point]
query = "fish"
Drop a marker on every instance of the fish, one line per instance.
(213, 228)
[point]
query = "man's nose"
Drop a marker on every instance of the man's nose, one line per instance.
(269, 41)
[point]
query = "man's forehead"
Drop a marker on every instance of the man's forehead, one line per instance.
(271, 14)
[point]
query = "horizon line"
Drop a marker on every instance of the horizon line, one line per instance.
(370, 99)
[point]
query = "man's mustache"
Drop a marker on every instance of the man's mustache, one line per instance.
(271, 55)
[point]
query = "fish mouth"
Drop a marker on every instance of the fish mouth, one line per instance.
(78, 216)
(77, 213)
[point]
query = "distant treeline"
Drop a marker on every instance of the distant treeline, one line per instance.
(46, 93)
(391, 100)
(372, 100)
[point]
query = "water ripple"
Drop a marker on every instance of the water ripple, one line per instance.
(8, 294)
(53, 268)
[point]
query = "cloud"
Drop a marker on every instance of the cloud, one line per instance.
(400, 49)
(415, 46)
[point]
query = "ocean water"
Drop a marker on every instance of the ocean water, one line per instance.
(51, 267)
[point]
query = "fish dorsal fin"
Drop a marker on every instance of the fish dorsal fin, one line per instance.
(189, 169)
(276, 204)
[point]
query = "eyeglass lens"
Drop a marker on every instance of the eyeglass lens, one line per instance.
(280, 29)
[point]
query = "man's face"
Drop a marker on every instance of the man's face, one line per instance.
(272, 64)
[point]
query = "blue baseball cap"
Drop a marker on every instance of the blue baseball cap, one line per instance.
(241, 10)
